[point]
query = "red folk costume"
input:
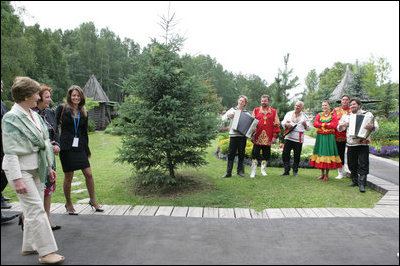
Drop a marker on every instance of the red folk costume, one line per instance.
(268, 125)
(325, 154)
(340, 136)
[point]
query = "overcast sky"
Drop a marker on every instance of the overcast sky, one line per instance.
(246, 37)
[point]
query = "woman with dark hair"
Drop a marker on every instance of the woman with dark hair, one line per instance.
(28, 159)
(75, 152)
(325, 154)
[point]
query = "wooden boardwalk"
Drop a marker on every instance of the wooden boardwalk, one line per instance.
(387, 207)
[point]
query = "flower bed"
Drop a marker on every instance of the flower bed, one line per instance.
(384, 147)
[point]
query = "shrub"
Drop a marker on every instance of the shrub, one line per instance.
(114, 129)
(91, 125)
(388, 129)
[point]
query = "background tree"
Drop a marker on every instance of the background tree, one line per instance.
(308, 95)
(388, 102)
(253, 88)
(279, 94)
(17, 52)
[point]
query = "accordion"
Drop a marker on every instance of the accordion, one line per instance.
(357, 124)
(244, 122)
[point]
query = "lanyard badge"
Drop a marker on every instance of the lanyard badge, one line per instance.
(75, 143)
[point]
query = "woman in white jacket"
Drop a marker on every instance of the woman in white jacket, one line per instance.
(28, 158)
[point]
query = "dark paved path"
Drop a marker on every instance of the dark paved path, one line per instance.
(93, 239)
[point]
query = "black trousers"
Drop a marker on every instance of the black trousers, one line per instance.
(236, 145)
(3, 180)
(266, 152)
(341, 146)
(287, 148)
(358, 161)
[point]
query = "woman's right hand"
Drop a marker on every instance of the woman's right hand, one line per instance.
(20, 186)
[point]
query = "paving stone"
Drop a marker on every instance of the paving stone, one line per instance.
(80, 207)
(209, 212)
(119, 210)
(258, 215)
(55, 206)
(179, 211)
(370, 212)
(388, 212)
(306, 213)
(242, 213)
(354, 212)
(195, 212)
(290, 213)
(322, 212)
(338, 212)
(226, 213)
(107, 209)
(74, 184)
(134, 210)
(148, 211)
(274, 213)
(164, 210)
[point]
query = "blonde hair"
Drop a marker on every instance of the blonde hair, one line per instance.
(81, 105)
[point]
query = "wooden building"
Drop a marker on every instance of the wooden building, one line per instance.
(103, 113)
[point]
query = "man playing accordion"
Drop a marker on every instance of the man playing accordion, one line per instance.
(357, 147)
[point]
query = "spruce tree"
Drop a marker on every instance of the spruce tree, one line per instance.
(168, 120)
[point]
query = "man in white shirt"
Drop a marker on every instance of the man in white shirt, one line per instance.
(237, 141)
(295, 124)
(357, 148)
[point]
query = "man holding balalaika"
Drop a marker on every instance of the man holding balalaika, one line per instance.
(295, 123)
(359, 124)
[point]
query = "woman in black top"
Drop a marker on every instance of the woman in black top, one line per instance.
(49, 117)
(75, 152)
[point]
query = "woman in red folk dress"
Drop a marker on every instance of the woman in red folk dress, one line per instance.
(325, 155)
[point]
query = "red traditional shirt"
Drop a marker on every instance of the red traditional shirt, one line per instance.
(267, 127)
(340, 136)
(326, 124)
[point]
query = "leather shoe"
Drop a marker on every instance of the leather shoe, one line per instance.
(5, 205)
(5, 219)
(56, 227)
(226, 175)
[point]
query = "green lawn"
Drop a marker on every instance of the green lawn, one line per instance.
(114, 186)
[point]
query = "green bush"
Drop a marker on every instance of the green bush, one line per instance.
(91, 125)
(388, 129)
(114, 129)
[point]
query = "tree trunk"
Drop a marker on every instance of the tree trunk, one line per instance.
(171, 167)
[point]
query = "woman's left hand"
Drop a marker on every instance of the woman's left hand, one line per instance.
(52, 176)
(56, 149)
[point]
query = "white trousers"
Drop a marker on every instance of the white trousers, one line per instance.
(37, 230)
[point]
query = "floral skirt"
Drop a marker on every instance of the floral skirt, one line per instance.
(325, 154)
